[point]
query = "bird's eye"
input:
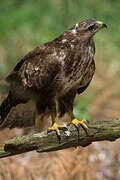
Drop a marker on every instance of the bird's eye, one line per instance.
(90, 28)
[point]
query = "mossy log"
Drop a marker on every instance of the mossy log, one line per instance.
(43, 142)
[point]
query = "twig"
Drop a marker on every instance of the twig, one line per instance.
(43, 142)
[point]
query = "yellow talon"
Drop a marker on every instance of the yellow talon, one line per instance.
(77, 122)
(56, 127)
(82, 123)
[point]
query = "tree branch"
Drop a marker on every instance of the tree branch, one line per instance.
(43, 142)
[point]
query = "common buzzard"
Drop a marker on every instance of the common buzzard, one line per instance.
(53, 73)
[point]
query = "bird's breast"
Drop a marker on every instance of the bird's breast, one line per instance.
(80, 75)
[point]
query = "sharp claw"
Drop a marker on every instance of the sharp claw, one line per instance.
(59, 137)
(64, 129)
(78, 124)
(77, 130)
(48, 131)
(57, 128)
(87, 121)
(69, 124)
(84, 128)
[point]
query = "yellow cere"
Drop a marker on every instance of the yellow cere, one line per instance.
(99, 23)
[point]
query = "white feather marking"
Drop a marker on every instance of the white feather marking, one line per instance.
(73, 41)
(73, 31)
(72, 46)
(62, 53)
(64, 40)
(36, 68)
(76, 26)
(61, 57)
(54, 54)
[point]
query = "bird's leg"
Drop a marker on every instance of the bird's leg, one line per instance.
(78, 123)
(56, 127)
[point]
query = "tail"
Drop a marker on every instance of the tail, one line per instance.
(9, 102)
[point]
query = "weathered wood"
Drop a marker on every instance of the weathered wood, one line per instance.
(43, 142)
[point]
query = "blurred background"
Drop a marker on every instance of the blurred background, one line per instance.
(26, 24)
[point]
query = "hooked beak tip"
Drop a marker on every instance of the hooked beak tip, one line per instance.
(104, 25)
(101, 24)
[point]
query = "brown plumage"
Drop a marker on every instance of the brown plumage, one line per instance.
(53, 73)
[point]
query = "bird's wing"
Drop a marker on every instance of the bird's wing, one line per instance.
(27, 57)
(87, 78)
(37, 69)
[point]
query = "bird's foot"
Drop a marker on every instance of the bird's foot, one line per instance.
(78, 124)
(57, 128)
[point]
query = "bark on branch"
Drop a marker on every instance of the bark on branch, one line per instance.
(43, 142)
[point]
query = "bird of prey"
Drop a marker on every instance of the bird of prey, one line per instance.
(53, 73)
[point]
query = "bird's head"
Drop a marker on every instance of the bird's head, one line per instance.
(89, 28)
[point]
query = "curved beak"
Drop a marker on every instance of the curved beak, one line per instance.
(101, 25)
(104, 25)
